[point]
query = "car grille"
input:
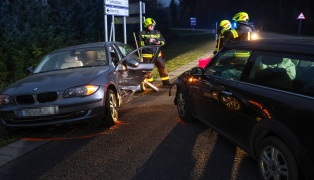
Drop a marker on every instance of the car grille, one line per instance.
(41, 98)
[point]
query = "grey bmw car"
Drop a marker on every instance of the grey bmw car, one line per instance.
(75, 84)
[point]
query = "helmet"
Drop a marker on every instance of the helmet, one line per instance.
(241, 16)
(148, 22)
(225, 24)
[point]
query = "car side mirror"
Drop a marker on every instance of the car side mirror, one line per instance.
(30, 69)
(131, 62)
(197, 71)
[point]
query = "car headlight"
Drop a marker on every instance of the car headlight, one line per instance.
(80, 91)
(5, 99)
(254, 36)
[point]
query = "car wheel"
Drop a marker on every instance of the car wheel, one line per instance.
(111, 108)
(183, 109)
(276, 160)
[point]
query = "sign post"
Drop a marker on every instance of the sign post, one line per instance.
(115, 8)
(193, 22)
(300, 17)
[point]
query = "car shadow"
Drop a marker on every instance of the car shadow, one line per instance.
(193, 151)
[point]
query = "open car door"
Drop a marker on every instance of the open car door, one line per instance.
(132, 72)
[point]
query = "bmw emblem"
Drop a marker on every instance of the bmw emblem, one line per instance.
(35, 89)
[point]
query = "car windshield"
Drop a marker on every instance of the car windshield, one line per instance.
(75, 58)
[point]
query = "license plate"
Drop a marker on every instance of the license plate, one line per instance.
(42, 111)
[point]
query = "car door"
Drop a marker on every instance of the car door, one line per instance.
(214, 95)
(131, 70)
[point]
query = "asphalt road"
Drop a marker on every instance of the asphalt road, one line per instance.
(149, 142)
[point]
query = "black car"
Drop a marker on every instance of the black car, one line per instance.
(260, 96)
(86, 82)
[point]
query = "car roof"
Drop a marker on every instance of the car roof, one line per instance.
(87, 45)
(296, 45)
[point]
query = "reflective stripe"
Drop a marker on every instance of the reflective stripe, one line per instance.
(164, 78)
(148, 36)
(149, 79)
(248, 36)
(242, 54)
(149, 55)
(234, 33)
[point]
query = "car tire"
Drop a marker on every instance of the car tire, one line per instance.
(275, 160)
(183, 109)
(111, 108)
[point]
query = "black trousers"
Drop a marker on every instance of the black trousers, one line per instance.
(160, 64)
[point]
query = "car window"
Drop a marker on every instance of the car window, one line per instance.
(125, 49)
(284, 71)
(229, 64)
(72, 59)
(114, 56)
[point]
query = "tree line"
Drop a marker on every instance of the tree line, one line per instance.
(30, 29)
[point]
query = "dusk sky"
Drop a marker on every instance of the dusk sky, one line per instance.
(166, 2)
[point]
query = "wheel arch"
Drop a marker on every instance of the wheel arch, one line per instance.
(268, 127)
(181, 85)
(114, 89)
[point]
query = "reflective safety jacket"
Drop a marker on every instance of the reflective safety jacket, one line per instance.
(243, 32)
(221, 40)
(145, 35)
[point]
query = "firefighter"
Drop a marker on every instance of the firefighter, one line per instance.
(243, 30)
(222, 41)
(149, 36)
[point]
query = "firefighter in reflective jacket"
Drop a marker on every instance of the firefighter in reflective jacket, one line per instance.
(149, 36)
(222, 41)
(243, 30)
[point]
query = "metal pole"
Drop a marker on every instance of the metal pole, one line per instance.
(113, 28)
(141, 20)
(299, 30)
(106, 28)
(124, 29)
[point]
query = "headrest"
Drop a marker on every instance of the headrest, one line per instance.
(269, 60)
(69, 59)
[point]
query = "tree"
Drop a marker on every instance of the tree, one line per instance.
(174, 12)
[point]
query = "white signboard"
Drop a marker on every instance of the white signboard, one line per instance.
(120, 3)
(116, 11)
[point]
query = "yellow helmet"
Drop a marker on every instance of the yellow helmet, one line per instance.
(241, 16)
(148, 22)
(225, 24)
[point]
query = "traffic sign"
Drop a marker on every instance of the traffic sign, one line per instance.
(129, 20)
(116, 11)
(301, 16)
(120, 3)
(193, 21)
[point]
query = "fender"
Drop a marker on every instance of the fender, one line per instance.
(268, 127)
(180, 84)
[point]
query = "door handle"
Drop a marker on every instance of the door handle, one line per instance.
(226, 93)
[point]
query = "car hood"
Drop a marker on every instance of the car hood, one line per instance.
(55, 80)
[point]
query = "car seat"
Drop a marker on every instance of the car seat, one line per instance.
(71, 61)
(273, 75)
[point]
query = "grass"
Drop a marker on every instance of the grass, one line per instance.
(184, 48)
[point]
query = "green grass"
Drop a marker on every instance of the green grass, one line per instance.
(184, 48)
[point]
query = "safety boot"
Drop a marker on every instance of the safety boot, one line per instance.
(166, 83)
